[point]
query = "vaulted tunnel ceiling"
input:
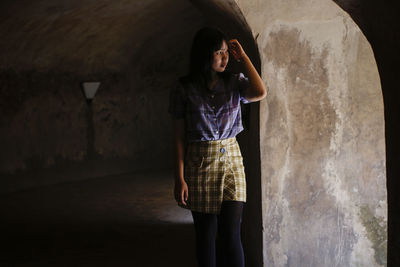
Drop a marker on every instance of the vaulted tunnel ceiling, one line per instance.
(91, 36)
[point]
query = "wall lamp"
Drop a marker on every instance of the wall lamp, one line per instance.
(90, 89)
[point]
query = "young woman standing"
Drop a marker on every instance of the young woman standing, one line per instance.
(209, 172)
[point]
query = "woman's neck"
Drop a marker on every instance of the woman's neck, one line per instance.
(214, 80)
(214, 76)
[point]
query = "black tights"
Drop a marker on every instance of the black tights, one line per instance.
(227, 224)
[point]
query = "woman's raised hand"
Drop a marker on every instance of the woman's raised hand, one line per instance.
(236, 50)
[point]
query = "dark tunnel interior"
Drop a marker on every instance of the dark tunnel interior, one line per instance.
(72, 199)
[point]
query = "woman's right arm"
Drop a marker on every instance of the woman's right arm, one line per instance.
(181, 189)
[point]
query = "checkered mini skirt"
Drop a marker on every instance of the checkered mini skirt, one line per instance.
(214, 172)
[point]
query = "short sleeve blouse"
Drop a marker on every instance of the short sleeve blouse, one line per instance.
(210, 114)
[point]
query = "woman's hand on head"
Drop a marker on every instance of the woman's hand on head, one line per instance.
(236, 50)
(181, 192)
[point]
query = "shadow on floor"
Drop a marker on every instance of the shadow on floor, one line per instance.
(124, 220)
(139, 245)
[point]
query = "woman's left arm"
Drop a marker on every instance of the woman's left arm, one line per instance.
(257, 90)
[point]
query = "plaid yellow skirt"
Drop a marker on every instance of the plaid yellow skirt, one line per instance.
(214, 172)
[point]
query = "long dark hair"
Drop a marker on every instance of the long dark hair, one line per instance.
(206, 41)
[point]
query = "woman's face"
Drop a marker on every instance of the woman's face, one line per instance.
(221, 58)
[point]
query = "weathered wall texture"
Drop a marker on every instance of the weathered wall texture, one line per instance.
(136, 49)
(321, 137)
(379, 21)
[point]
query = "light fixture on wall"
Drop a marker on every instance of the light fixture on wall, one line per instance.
(90, 90)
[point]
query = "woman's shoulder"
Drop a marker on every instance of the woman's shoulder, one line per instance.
(236, 76)
(232, 76)
(233, 79)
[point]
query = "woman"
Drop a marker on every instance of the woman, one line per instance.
(209, 172)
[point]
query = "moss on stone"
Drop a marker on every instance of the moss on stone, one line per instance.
(376, 233)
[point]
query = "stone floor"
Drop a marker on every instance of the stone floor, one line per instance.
(122, 220)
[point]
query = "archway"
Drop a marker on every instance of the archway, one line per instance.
(111, 119)
(305, 49)
(382, 33)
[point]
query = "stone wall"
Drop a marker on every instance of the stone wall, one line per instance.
(321, 137)
(136, 49)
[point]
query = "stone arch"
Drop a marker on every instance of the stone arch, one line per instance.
(301, 51)
(323, 173)
(382, 34)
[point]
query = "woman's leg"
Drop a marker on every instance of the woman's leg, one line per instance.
(206, 227)
(229, 222)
